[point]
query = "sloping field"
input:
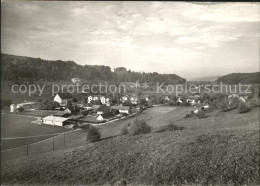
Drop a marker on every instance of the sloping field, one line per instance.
(222, 157)
(225, 151)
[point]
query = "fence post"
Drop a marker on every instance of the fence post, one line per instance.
(27, 148)
(53, 143)
(64, 138)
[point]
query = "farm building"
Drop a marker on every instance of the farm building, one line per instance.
(55, 121)
(13, 108)
(27, 105)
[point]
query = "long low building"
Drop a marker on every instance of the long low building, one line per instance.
(54, 120)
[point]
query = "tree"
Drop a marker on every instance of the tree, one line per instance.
(140, 127)
(93, 134)
(223, 106)
(20, 109)
(243, 107)
(74, 100)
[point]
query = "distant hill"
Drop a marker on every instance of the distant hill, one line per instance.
(208, 78)
(244, 78)
(19, 68)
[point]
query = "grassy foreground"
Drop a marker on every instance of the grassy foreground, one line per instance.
(178, 157)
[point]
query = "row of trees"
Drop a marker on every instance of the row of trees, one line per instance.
(17, 68)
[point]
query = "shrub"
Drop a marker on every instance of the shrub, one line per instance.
(172, 127)
(84, 112)
(234, 103)
(139, 127)
(124, 130)
(243, 107)
(201, 114)
(20, 109)
(85, 127)
(173, 103)
(223, 106)
(214, 104)
(254, 102)
(186, 103)
(93, 134)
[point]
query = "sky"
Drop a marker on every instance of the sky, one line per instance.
(183, 38)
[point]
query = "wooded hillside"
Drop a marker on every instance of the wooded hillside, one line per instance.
(18, 68)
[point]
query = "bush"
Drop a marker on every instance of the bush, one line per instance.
(85, 127)
(187, 104)
(139, 127)
(5, 103)
(243, 107)
(20, 109)
(124, 130)
(201, 114)
(254, 102)
(223, 106)
(234, 103)
(170, 127)
(93, 134)
(214, 104)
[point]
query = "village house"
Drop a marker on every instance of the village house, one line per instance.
(87, 106)
(191, 101)
(134, 100)
(124, 99)
(102, 117)
(95, 98)
(107, 102)
(122, 109)
(55, 121)
(62, 98)
(103, 100)
(167, 98)
(179, 100)
(75, 80)
(90, 98)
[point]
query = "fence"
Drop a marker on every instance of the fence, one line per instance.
(61, 141)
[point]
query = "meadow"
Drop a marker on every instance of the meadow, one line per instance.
(222, 148)
(17, 130)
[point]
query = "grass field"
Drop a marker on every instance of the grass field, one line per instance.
(220, 149)
(15, 126)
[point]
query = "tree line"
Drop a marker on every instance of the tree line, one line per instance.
(17, 68)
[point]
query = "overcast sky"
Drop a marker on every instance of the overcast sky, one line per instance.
(188, 39)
